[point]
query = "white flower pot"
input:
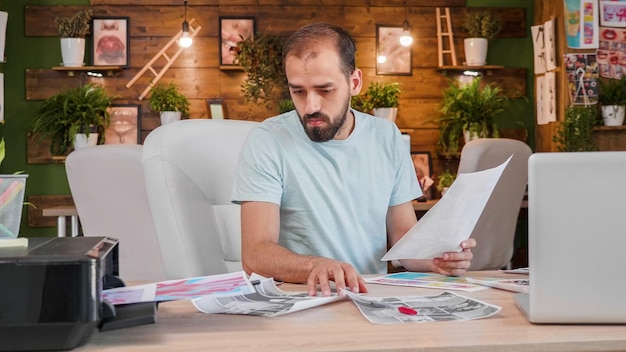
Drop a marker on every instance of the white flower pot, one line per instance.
(386, 113)
(73, 52)
(81, 140)
(170, 116)
(467, 136)
(613, 115)
(475, 51)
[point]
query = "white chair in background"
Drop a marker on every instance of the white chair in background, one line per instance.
(495, 230)
(190, 168)
(108, 187)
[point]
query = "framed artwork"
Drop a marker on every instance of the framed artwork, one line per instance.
(110, 43)
(423, 164)
(233, 30)
(612, 13)
(215, 108)
(392, 58)
(125, 127)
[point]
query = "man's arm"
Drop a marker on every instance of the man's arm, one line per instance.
(261, 254)
(400, 219)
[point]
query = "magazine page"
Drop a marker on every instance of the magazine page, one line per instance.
(426, 280)
(451, 220)
(514, 285)
(445, 306)
(267, 301)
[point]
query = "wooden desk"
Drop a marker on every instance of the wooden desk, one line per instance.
(62, 212)
(341, 327)
(425, 206)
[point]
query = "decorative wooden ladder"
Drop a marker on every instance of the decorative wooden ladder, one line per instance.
(445, 32)
(162, 54)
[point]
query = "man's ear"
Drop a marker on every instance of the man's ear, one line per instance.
(356, 82)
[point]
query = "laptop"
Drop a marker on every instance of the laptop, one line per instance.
(577, 238)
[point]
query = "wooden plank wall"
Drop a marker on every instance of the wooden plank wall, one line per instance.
(197, 72)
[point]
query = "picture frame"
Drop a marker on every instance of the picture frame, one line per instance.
(612, 13)
(110, 41)
(232, 31)
(125, 127)
(423, 163)
(392, 58)
(215, 108)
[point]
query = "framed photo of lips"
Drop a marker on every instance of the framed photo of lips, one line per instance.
(109, 46)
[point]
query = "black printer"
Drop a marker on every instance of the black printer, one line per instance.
(51, 292)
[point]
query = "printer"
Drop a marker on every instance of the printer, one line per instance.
(51, 293)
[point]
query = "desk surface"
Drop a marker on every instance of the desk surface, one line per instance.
(425, 206)
(341, 327)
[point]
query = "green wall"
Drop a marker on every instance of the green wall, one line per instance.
(44, 52)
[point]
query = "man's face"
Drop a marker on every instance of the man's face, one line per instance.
(321, 93)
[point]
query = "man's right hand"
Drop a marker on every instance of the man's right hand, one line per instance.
(343, 274)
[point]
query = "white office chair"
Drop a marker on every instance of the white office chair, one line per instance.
(108, 188)
(190, 168)
(495, 230)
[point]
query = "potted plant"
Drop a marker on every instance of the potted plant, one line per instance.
(481, 27)
(73, 111)
(381, 99)
(73, 31)
(169, 102)
(261, 59)
(612, 99)
(468, 111)
(444, 181)
(574, 134)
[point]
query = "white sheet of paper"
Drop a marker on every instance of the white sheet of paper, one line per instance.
(451, 220)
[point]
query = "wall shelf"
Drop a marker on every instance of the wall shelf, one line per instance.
(109, 71)
(487, 69)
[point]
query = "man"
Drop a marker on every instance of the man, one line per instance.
(324, 188)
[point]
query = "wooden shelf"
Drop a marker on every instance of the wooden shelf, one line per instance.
(231, 68)
(487, 69)
(106, 70)
(610, 128)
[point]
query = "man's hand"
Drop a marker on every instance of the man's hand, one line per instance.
(455, 263)
(344, 275)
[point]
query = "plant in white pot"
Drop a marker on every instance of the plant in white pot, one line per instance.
(72, 117)
(468, 110)
(73, 31)
(381, 99)
(481, 27)
(169, 102)
(612, 99)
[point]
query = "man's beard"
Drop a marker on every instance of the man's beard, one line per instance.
(324, 134)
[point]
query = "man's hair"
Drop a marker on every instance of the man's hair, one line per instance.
(301, 42)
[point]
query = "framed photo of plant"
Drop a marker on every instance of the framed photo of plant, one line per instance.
(125, 127)
(110, 43)
(215, 108)
(392, 58)
(233, 30)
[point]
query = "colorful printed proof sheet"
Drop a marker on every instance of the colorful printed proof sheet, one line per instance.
(226, 284)
(426, 280)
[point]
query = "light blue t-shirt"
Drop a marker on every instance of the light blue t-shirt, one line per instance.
(334, 195)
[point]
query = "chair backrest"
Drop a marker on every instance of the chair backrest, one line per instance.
(190, 168)
(108, 188)
(495, 230)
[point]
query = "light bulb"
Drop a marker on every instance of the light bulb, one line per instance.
(382, 59)
(185, 40)
(406, 39)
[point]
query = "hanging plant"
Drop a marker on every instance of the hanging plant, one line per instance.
(261, 59)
